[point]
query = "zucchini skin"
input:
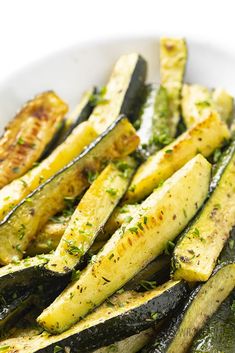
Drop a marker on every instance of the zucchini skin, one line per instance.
(163, 340)
(87, 221)
(28, 134)
(118, 262)
(205, 136)
(33, 212)
(122, 93)
(179, 334)
(122, 316)
(154, 131)
(218, 333)
(79, 114)
(195, 254)
(131, 344)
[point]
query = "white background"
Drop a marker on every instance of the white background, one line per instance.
(30, 29)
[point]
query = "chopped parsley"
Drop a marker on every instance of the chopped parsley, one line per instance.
(98, 97)
(231, 244)
(169, 151)
(147, 285)
(133, 230)
(233, 306)
(169, 247)
(57, 349)
(21, 231)
(73, 249)
(91, 176)
(154, 316)
(75, 275)
(111, 191)
(20, 141)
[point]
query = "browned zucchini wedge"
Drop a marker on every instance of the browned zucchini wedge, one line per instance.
(28, 134)
(159, 220)
(24, 221)
(203, 137)
(18, 189)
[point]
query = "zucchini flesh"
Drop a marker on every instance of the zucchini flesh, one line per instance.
(122, 92)
(48, 237)
(204, 137)
(28, 134)
(79, 114)
(173, 56)
(24, 221)
(17, 190)
(197, 251)
(123, 315)
(133, 246)
(130, 344)
(197, 101)
(154, 131)
(223, 103)
(218, 334)
(91, 214)
(201, 305)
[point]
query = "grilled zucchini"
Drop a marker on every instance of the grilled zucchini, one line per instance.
(204, 137)
(23, 222)
(91, 214)
(130, 344)
(197, 251)
(223, 103)
(121, 316)
(197, 101)
(133, 246)
(173, 56)
(218, 334)
(17, 190)
(28, 134)
(122, 93)
(48, 237)
(201, 305)
(154, 120)
(79, 114)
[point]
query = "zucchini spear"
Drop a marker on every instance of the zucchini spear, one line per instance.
(23, 222)
(173, 56)
(196, 252)
(28, 134)
(159, 219)
(203, 302)
(204, 137)
(91, 214)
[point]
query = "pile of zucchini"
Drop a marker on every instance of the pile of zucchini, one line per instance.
(116, 219)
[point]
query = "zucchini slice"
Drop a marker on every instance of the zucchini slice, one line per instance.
(48, 237)
(130, 344)
(122, 92)
(223, 103)
(173, 56)
(28, 134)
(204, 137)
(196, 252)
(91, 214)
(218, 334)
(23, 222)
(160, 219)
(79, 114)
(201, 305)
(197, 101)
(121, 316)
(17, 190)
(154, 131)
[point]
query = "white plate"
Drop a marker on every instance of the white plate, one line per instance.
(75, 69)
